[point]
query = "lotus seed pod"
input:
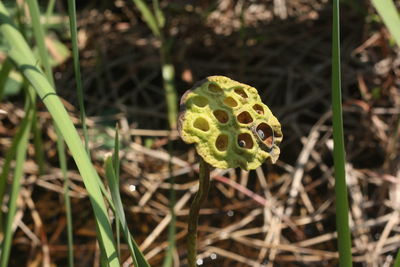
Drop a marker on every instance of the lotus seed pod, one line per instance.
(229, 124)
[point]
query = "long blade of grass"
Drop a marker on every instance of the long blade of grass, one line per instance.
(49, 10)
(43, 55)
(39, 38)
(158, 14)
(6, 168)
(4, 72)
(44, 58)
(137, 256)
(390, 16)
(38, 143)
(77, 69)
(25, 61)
(21, 149)
(16, 141)
(155, 22)
(78, 79)
(342, 206)
(115, 159)
(67, 201)
(169, 255)
(148, 17)
(168, 74)
(115, 156)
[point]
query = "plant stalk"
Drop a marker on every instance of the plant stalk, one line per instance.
(20, 152)
(77, 69)
(201, 195)
(342, 206)
(25, 61)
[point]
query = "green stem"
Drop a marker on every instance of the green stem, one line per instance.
(155, 21)
(342, 206)
(38, 143)
(24, 59)
(4, 72)
(67, 201)
(77, 69)
(397, 260)
(168, 260)
(39, 34)
(168, 75)
(21, 150)
(49, 11)
(204, 185)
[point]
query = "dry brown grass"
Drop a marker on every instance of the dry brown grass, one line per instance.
(280, 215)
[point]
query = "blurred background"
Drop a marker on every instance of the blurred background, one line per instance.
(277, 215)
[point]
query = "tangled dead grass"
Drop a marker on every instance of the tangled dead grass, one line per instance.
(281, 215)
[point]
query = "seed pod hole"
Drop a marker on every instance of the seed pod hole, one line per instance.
(222, 142)
(259, 109)
(200, 101)
(244, 117)
(221, 116)
(214, 88)
(245, 141)
(266, 134)
(241, 92)
(230, 102)
(201, 124)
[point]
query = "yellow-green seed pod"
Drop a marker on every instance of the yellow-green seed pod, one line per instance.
(229, 124)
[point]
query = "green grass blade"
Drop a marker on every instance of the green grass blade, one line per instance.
(390, 16)
(24, 59)
(137, 256)
(39, 38)
(115, 159)
(49, 10)
(43, 55)
(38, 143)
(44, 58)
(168, 74)
(4, 72)
(159, 15)
(7, 163)
(6, 169)
(342, 206)
(397, 260)
(77, 69)
(169, 256)
(67, 201)
(148, 17)
(21, 150)
(115, 156)
(155, 22)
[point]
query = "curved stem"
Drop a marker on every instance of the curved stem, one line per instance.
(201, 195)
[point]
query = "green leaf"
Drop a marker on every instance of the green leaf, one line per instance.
(137, 256)
(342, 206)
(148, 17)
(159, 14)
(25, 61)
(21, 146)
(4, 76)
(13, 85)
(390, 16)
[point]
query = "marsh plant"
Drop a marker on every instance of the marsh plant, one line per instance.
(230, 127)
